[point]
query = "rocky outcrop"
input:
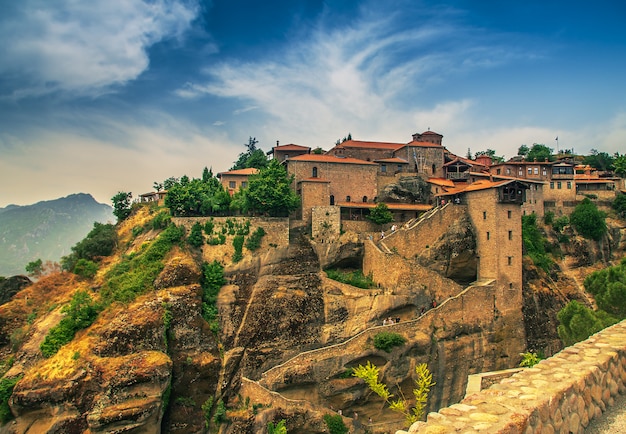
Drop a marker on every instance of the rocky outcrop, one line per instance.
(411, 189)
(12, 285)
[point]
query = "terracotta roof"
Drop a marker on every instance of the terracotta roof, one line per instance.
(524, 163)
(369, 145)
(483, 184)
(326, 158)
(512, 178)
(441, 182)
(291, 147)
(392, 160)
(241, 172)
(391, 206)
(430, 133)
(424, 144)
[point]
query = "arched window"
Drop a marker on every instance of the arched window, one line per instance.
(315, 172)
(364, 199)
(434, 169)
(347, 198)
(332, 199)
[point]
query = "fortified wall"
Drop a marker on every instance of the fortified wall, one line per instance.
(559, 394)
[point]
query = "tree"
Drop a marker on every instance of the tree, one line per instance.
(599, 160)
(269, 192)
(578, 322)
(523, 150)
(158, 186)
(588, 220)
(539, 152)
(423, 383)
(122, 205)
(197, 197)
(253, 157)
(35, 268)
(380, 214)
(619, 164)
(490, 153)
(619, 205)
(195, 238)
(100, 241)
(317, 151)
(608, 287)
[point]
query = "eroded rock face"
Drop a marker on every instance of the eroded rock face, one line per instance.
(411, 189)
(11, 286)
(453, 255)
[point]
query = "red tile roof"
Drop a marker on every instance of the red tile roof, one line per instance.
(241, 172)
(424, 144)
(369, 145)
(441, 182)
(391, 206)
(291, 147)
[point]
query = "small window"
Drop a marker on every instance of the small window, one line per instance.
(508, 213)
(232, 184)
(347, 198)
(508, 170)
(364, 199)
(383, 168)
(332, 199)
(510, 235)
(399, 167)
(569, 185)
(497, 171)
(488, 236)
(434, 169)
(536, 171)
(558, 185)
(484, 215)
(314, 172)
(521, 172)
(509, 260)
(544, 172)
(552, 185)
(244, 184)
(530, 170)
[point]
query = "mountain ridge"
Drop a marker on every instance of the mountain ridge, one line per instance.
(47, 229)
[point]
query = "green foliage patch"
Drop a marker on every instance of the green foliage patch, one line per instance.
(335, 424)
(608, 287)
(386, 341)
(254, 241)
(354, 278)
(100, 241)
(134, 275)
(80, 313)
(588, 220)
(578, 322)
(238, 245)
(535, 243)
(212, 280)
(6, 389)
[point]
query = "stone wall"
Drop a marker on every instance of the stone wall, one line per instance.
(558, 395)
(325, 224)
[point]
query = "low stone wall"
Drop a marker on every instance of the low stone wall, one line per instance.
(558, 395)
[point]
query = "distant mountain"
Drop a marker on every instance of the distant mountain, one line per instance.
(46, 230)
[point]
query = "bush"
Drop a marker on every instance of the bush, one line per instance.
(335, 424)
(161, 220)
(608, 287)
(85, 268)
(534, 243)
(100, 241)
(208, 227)
(588, 220)
(548, 217)
(196, 239)
(212, 280)
(560, 223)
(217, 240)
(354, 278)
(80, 313)
(6, 390)
(238, 245)
(387, 340)
(619, 205)
(578, 322)
(254, 241)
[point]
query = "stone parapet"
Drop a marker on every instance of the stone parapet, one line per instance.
(558, 395)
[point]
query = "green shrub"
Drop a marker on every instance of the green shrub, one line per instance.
(534, 243)
(387, 340)
(578, 322)
(608, 287)
(85, 268)
(80, 313)
(161, 220)
(354, 278)
(619, 205)
(530, 359)
(212, 280)
(136, 231)
(220, 413)
(278, 428)
(238, 245)
(217, 240)
(548, 217)
(6, 390)
(208, 227)
(335, 424)
(560, 223)
(254, 241)
(100, 241)
(588, 220)
(195, 238)
(206, 411)
(134, 275)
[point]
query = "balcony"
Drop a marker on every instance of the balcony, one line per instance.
(457, 175)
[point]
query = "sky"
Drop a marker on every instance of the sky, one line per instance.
(103, 96)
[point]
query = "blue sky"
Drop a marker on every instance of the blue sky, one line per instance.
(107, 96)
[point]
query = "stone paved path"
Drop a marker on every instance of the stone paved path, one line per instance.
(613, 420)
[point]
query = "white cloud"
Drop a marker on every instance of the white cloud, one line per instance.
(85, 47)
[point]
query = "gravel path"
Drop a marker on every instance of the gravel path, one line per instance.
(612, 421)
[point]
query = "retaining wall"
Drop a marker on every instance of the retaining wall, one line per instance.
(558, 395)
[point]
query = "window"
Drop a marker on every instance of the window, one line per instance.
(347, 198)
(509, 260)
(510, 235)
(399, 167)
(434, 168)
(536, 171)
(508, 170)
(364, 199)
(332, 199)
(544, 172)
(569, 185)
(530, 170)
(521, 172)
(558, 185)
(484, 215)
(383, 168)
(488, 236)
(232, 184)
(244, 184)
(508, 213)
(314, 172)
(552, 185)
(497, 171)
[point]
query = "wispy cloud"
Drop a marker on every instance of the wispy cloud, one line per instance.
(84, 47)
(367, 76)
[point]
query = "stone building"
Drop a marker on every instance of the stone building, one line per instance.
(233, 180)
